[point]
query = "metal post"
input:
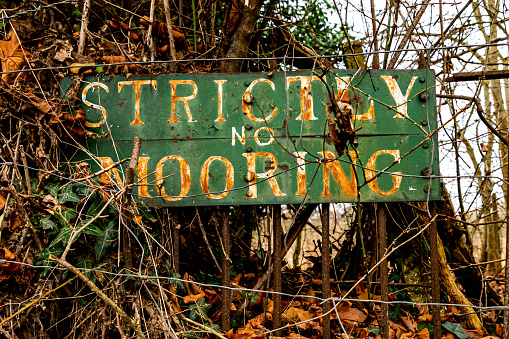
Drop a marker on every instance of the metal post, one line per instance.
(326, 270)
(225, 279)
(384, 268)
(435, 282)
(276, 230)
(506, 295)
(175, 243)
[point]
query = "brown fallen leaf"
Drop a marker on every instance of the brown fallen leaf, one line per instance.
(474, 334)
(77, 68)
(192, 298)
(8, 268)
(499, 330)
(231, 335)
(173, 297)
(69, 126)
(160, 30)
(346, 312)
(424, 334)
(114, 59)
(293, 314)
(409, 322)
(14, 221)
(12, 56)
(2, 202)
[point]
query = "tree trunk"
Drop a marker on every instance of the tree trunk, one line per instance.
(239, 41)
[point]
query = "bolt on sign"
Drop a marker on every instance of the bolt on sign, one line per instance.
(258, 138)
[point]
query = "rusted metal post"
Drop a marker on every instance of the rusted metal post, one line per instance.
(435, 282)
(175, 243)
(384, 268)
(130, 174)
(225, 279)
(276, 234)
(506, 295)
(326, 270)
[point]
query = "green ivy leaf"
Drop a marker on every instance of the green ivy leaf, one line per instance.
(68, 195)
(65, 217)
(47, 224)
(92, 230)
(104, 243)
(63, 236)
(99, 69)
(96, 206)
(375, 330)
(44, 254)
(455, 329)
(53, 188)
(85, 261)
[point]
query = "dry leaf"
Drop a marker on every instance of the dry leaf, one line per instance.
(42, 105)
(78, 67)
(12, 56)
(349, 313)
(192, 298)
(424, 334)
(8, 268)
(137, 219)
(69, 126)
(14, 221)
(499, 330)
(114, 59)
(2, 202)
(425, 317)
(409, 322)
(293, 314)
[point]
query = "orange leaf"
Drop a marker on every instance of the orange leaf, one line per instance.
(192, 298)
(293, 314)
(14, 221)
(12, 55)
(78, 66)
(409, 322)
(2, 202)
(40, 104)
(113, 59)
(349, 313)
(8, 268)
(424, 334)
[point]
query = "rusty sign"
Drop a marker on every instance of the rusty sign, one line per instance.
(258, 138)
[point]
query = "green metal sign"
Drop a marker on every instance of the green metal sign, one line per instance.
(258, 138)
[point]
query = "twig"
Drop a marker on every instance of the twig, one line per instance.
(150, 38)
(207, 241)
(131, 169)
(480, 112)
(27, 175)
(35, 301)
(173, 52)
(291, 235)
(84, 24)
(104, 170)
(24, 216)
(408, 34)
(100, 294)
(129, 179)
(205, 328)
(78, 231)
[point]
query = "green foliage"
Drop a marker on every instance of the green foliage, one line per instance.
(250, 296)
(375, 330)
(312, 26)
(455, 329)
(103, 243)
